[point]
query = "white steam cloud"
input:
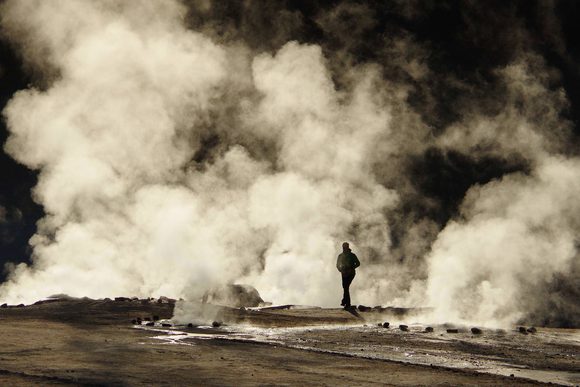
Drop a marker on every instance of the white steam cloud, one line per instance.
(170, 164)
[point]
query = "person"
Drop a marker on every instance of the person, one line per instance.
(346, 264)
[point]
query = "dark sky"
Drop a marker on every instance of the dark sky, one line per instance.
(464, 41)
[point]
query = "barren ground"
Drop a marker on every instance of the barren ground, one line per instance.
(87, 342)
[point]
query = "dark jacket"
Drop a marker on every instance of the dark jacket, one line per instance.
(347, 262)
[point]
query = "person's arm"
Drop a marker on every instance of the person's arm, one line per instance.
(355, 261)
(339, 264)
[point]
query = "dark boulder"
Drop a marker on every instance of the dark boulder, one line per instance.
(233, 295)
(404, 327)
(5, 305)
(190, 325)
(122, 299)
(363, 308)
(452, 330)
(386, 324)
(216, 324)
(522, 330)
(150, 324)
(429, 329)
(166, 325)
(134, 322)
(476, 331)
(532, 330)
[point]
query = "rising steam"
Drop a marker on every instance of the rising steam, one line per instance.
(172, 161)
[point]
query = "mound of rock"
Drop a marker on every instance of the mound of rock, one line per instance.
(234, 295)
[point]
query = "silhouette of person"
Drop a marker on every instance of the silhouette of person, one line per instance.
(346, 264)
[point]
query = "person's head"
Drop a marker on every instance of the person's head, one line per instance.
(345, 246)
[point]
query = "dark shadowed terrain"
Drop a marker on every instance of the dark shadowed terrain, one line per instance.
(89, 342)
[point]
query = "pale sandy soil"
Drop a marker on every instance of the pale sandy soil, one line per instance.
(88, 342)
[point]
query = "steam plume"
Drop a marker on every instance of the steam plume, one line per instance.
(177, 153)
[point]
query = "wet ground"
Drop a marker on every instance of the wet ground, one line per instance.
(542, 354)
(95, 342)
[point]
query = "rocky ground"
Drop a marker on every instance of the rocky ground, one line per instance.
(89, 342)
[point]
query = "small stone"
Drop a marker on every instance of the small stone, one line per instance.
(150, 324)
(429, 329)
(522, 330)
(476, 331)
(452, 330)
(166, 325)
(190, 325)
(532, 330)
(216, 324)
(386, 324)
(404, 327)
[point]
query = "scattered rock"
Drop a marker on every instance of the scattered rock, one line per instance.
(166, 325)
(5, 305)
(452, 330)
(155, 318)
(363, 308)
(404, 327)
(522, 330)
(532, 330)
(190, 325)
(216, 324)
(234, 295)
(386, 324)
(150, 324)
(429, 329)
(476, 331)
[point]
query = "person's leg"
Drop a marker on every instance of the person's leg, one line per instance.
(346, 281)
(344, 289)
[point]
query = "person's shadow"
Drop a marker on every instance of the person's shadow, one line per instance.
(352, 310)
